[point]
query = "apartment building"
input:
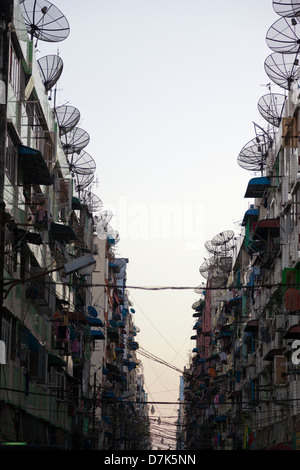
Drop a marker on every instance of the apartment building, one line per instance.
(68, 352)
(242, 383)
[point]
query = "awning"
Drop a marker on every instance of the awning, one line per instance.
(257, 186)
(76, 204)
(249, 214)
(33, 166)
(61, 232)
(97, 334)
(273, 352)
(235, 301)
(264, 226)
(54, 360)
(252, 325)
(94, 321)
(28, 237)
(293, 332)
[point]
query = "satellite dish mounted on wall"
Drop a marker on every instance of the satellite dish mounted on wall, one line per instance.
(282, 69)
(75, 140)
(44, 21)
(283, 36)
(81, 163)
(91, 200)
(83, 181)
(51, 67)
(287, 8)
(67, 118)
(271, 107)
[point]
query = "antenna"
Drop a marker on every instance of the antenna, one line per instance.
(283, 36)
(81, 163)
(287, 8)
(91, 200)
(282, 69)
(75, 140)
(44, 21)
(271, 108)
(67, 118)
(51, 67)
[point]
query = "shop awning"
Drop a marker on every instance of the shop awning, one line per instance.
(257, 186)
(33, 166)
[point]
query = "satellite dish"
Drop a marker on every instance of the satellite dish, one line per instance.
(206, 267)
(199, 289)
(105, 217)
(253, 156)
(67, 118)
(92, 311)
(196, 304)
(75, 140)
(51, 67)
(282, 69)
(122, 266)
(103, 231)
(283, 36)
(222, 238)
(287, 8)
(271, 108)
(83, 181)
(91, 200)
(81, 163)
(44, 21)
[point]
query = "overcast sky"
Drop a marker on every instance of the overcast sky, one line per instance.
(168, 92)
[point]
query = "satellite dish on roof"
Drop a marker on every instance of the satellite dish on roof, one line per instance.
(67, 118)
(271, 107)
(44, 21)
(283, 36)
(282, 69)
(75, 140)
(287, 8)
(81, 163)
(51, 67)
(91, 200)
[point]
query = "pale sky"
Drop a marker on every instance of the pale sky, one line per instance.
(168, 92)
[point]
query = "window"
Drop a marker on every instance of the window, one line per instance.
(14, 71)
(11, 160)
